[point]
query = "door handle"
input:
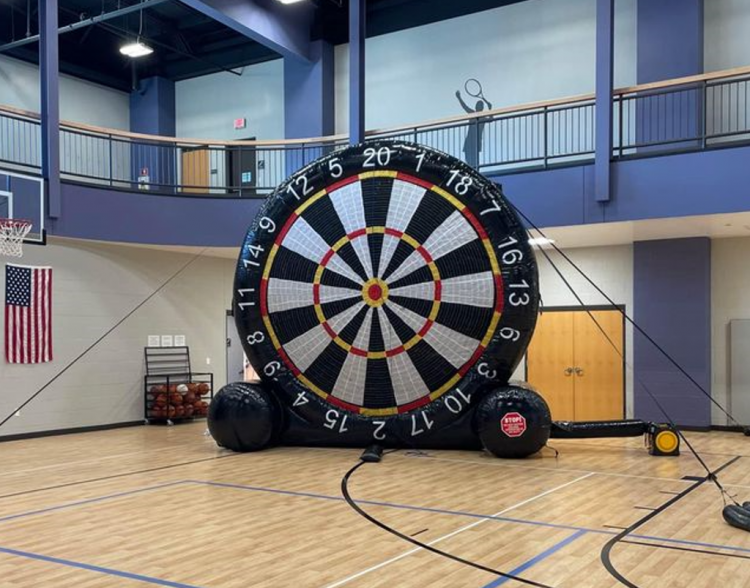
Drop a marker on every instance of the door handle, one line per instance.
(579, 371)
(569, 371)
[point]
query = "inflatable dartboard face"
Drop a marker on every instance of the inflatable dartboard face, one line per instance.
(380, 288)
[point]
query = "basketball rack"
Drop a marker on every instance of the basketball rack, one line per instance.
(170, 386)
(12, 234)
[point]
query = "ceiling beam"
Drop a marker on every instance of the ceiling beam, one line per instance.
(86, 23)
(283, 28)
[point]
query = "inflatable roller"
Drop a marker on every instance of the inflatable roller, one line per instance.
(661, 439)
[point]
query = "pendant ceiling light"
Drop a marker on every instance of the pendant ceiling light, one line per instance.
(137, 48)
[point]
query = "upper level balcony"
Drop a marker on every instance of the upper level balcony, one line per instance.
(670, 149)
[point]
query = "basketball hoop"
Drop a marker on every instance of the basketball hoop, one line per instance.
(12, 234)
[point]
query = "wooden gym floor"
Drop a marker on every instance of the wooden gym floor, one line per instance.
(165, 507)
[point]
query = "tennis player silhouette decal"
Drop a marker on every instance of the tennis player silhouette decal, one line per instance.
(473, 142)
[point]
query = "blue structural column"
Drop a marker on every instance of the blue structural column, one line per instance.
(604, 83)
(49, 69)
(152, 112)
(152, 107)
(357, 26)
(672, 302)
(669, 45)
(670, 39)
(309, 107)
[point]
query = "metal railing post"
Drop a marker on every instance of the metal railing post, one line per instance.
(545, 115)
(620, 116)
(704, 114)
(111, 183)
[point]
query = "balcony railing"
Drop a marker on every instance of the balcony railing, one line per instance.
(698, 112)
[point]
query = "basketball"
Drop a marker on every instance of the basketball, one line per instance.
(190, 398)
(204, 388)
(182, 388)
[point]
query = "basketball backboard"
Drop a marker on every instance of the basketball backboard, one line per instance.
(22, 198)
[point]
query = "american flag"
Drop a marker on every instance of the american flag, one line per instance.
(28, 314)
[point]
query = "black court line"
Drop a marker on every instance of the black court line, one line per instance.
(690, 549)
(645, 507)
(113, 476)
(425, 530)
(607, 549)
(614, 527)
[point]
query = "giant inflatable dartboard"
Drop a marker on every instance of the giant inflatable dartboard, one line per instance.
(381, 288)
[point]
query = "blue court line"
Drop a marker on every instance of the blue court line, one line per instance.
(98, 569)
(465, 514)
(536, 559)
(89, 501)
(578, 530)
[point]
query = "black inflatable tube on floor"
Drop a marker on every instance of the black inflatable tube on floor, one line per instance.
(737, 516)
(597, 429)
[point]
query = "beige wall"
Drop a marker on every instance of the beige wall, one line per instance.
(730, 299)
(94, 286)
(611, 268)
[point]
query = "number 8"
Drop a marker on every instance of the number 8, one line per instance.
(256, 337)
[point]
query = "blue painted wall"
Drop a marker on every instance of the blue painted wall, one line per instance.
(109, 215)
(672, 302)
(707, 182)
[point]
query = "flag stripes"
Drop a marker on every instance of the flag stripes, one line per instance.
(28, 314)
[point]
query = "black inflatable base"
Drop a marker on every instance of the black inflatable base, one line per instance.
(511, 422)
(737, 516)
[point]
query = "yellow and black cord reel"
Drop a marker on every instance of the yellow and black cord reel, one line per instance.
(662, 440)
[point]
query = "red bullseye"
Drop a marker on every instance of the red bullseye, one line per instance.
(375, 292)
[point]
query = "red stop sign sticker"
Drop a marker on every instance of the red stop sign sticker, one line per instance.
(513, 424)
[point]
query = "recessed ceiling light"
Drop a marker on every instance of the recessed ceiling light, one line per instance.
(137, 49)
(540, 241)
(289, 1)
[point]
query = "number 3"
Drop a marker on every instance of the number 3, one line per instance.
(483, 369)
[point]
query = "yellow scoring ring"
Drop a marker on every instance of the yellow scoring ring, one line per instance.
(384, 293)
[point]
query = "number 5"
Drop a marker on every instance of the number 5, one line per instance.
(335, 167)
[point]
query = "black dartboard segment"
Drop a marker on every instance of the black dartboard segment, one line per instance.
(382, 286)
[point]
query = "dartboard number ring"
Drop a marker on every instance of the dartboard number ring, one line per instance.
(385, 285)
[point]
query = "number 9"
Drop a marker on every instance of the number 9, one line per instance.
(510, 334)
(267, 224)
(271, 368)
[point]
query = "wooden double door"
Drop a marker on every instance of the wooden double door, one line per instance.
(575, 368)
